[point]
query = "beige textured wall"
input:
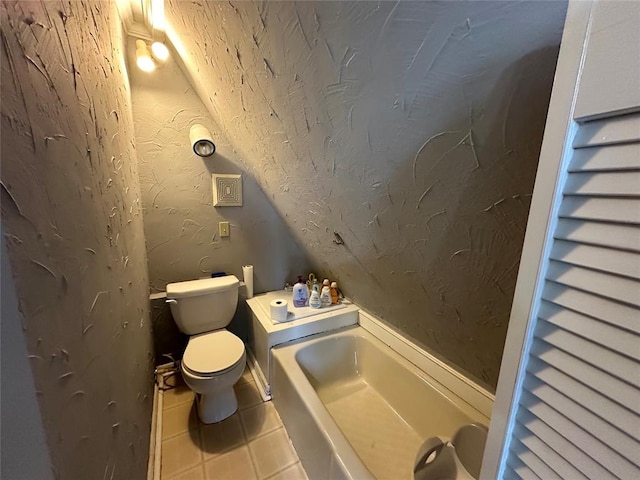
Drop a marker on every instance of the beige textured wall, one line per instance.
(180, 221)
(411, 129)
(73, 224)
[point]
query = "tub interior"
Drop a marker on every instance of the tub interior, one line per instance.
(384, 408)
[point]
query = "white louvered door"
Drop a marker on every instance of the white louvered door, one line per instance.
(578, 415)
(568, 406)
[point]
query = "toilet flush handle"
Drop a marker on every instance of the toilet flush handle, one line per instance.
(171, 300)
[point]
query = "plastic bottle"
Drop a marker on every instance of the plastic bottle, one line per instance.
(314, 299)
(325, 296)
(300, 293)
(334, 293)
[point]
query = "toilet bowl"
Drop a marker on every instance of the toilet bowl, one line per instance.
(211, 366)
(214, 358)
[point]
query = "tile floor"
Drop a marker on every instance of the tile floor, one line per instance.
(252, 444)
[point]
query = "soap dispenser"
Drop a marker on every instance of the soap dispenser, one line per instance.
(314, 299)
(335, 298)
(325, 295)
(300, 293)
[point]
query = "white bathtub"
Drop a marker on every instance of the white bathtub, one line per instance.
(356, 409)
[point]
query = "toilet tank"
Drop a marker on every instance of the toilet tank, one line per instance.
(204, 305)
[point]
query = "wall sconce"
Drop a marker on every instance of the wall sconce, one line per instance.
(201, 141)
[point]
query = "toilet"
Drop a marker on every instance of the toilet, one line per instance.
(214, 358)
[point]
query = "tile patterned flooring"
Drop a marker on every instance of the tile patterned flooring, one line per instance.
(252, 444)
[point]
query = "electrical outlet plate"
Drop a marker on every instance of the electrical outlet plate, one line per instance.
(223, 229)
(227, 190)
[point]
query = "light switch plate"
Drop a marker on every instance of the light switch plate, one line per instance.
(227, 190)
(223, 229)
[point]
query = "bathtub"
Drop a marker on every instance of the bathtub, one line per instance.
(356, 409)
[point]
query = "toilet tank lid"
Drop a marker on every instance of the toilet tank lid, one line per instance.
(199, 287)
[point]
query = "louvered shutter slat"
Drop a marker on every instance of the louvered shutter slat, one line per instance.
(608, 260)
(612, 338)
(613, 158)
(612, 313)
(623, 237)
(518, 470)
(533, 462)
(571, 410)
(581, 438)
(613, 184)
(608, 131)
(594, 401)
(622, 210)
(610, 286)
(577, 458)
(615, 389)
(551, 457)
(620, 366)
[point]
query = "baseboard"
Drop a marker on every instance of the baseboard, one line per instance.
(258, 376)
(153, 470)
(155, 440)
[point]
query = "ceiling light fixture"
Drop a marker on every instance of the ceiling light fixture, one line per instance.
(143, 57)
(159, 51)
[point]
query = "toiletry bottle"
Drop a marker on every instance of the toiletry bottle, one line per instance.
(325, 296)
(334, 293)
(314, 299)
(300, 293)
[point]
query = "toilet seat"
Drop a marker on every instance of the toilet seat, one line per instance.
(213, 353)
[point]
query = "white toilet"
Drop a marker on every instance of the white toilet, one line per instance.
(214, 358)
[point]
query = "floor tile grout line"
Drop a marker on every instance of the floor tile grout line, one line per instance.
(171, 407)
(283, 469)
(253, 460)
(176, 474)
(246, 441)
(200, 454)
(296, 458)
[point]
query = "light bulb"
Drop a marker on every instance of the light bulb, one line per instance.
(201, 141)
(143, 57)
(204, 148)
(145, 63)
(160, 51)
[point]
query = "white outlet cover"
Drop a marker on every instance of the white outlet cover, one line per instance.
(227, 190)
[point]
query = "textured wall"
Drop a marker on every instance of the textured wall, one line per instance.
(24, 453)
(412, 129)
(180, 221)
(73, 224)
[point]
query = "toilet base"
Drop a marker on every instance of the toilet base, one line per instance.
(217, 407)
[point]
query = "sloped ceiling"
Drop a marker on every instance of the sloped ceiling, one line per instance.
(410, 129)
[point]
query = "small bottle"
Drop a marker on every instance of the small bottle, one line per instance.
(325, 296)
(314, 299)
(334, 293)
(300, 293)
